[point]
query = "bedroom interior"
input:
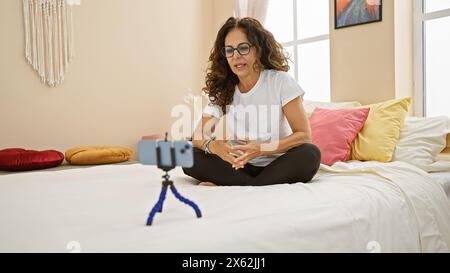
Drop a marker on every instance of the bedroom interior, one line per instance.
(133, 64)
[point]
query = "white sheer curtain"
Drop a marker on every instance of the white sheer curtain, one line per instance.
(251, 8)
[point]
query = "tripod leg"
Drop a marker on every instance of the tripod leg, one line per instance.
(158, 206)
(186, 201)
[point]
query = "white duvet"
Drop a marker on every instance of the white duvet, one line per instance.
(356, 207)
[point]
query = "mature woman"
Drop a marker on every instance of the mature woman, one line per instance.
(248, 82)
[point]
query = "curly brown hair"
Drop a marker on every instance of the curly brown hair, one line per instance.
(220, 79)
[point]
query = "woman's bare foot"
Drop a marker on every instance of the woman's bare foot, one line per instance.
(209, 184)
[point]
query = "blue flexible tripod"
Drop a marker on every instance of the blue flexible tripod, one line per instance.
(166, 184)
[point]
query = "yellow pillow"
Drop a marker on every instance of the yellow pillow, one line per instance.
(97, 155)
(380, 134)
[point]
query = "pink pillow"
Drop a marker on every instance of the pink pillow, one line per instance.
(333, 132)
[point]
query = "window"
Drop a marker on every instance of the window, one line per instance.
(302, 26)
(432, 57)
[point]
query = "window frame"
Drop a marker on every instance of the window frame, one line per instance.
(297, 42)
(420, 17)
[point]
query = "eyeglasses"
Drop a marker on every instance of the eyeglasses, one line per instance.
(242, 48)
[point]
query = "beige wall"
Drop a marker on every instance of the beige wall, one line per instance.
(373, 62)
(134, 62)
(404, 50)
(219, 12)
(362, 59)
(369, 63)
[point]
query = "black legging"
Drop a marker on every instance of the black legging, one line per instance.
(299, 164)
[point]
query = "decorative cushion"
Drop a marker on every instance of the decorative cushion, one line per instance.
(333, 132)
(310, 105)
(421, 141)
(380, 134)
(97, 155)
(17, 159)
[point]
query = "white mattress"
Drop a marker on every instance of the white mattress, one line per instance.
(349, 207)
(443, 178)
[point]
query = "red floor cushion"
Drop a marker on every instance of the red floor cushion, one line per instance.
(17, 159)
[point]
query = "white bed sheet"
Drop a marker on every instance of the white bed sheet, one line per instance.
(443, 178)
(349, 207)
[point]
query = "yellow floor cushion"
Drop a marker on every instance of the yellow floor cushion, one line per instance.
(379, 136)
(97, 155)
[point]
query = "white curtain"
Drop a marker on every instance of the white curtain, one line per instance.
(251, 8)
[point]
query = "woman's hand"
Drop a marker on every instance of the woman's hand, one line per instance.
(222, 149)
(249, 151)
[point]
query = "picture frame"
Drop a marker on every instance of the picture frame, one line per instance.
(348, 13)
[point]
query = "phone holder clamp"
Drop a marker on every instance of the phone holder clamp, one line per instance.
(167, 183)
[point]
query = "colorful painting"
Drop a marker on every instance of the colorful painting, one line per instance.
(356, 12)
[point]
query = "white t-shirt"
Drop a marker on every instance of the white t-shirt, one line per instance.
(257, 114)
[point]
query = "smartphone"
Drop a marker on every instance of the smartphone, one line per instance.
(184, 154)
(234, 143)
(178, 153)
(147, 152)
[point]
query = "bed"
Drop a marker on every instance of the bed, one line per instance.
(443, 178)
(350, 207)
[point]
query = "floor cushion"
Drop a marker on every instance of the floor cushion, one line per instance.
(17, 159)
(93, 155)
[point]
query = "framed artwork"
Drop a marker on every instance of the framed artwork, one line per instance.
(356, 12)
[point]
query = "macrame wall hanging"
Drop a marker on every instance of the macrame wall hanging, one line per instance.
(49, 37)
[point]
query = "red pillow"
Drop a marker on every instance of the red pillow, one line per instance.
(26, 160)
(333, 132)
